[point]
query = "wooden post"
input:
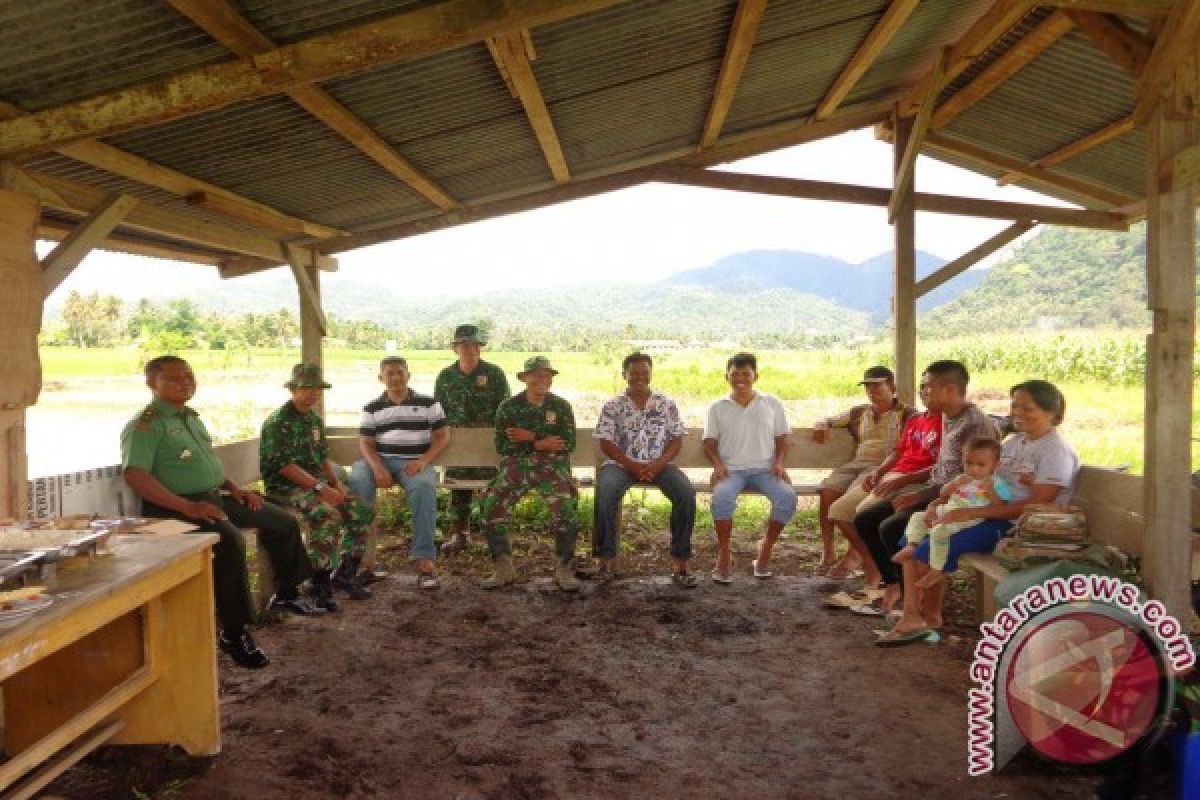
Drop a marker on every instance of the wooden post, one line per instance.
(904, 294)
(312, 324)
(1171, 287)
(20, 321)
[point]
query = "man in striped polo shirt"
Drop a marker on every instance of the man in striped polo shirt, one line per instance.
(400, 435)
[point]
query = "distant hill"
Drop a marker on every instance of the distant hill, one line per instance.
(866, 286)
(1062, 277)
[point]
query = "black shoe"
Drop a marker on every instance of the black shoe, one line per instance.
(243, 651)
(321, 592)
(351, 587)
(296, 605)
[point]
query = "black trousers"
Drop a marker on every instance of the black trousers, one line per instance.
(278, 535)
(882, 527)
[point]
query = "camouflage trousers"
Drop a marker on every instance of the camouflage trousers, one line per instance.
(333, 531)
(512, 482)
(460, 499)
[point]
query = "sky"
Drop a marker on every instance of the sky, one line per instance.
(637, 235)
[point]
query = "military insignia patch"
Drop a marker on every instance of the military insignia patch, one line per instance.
(481, 380)
(316, 435)
(551, 416)
(185, 454)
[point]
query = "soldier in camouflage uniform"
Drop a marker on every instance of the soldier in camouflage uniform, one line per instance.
(470, 390)
(535, 435)
(294, 462)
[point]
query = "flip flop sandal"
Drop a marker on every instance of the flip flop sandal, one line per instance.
(427, 580)
(723, 578)
(871, 609)
(893, 639)
(843, 601)
(760, 573)
(685, 580)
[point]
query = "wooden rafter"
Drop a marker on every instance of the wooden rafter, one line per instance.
(998, 20)
(1032, 45)
(875, 43)
(224, 23)
(88, 234)
(1053, 183)
(907, 162)
(56, 231)
(127, 165)
(513, 54)
(1127, 48)
(737, 52)
(404, 37)
(1075, 148)
(1132, 8)
(1175, 45)
(972, 257)
(874, 196)
(301, 260)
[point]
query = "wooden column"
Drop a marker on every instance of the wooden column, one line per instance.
(904, 294)
(1171, 287)
(312, 325)
(20, 321)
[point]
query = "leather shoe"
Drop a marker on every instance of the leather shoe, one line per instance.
(296, 605)
(243, 650)
(351, 587)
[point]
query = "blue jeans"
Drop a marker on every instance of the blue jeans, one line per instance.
(421, 490)
(781, 493)
(611, 484)
(982, 537)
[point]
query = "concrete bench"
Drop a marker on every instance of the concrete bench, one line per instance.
(1112, 501)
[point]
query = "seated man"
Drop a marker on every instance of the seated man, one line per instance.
(293, 458)
(169, 462)
(535, 434)
(745, 439)
(641, 432)
(400, 435)
(876, 427)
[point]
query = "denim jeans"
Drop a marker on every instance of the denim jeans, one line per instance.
(421, 490)
(781, 493)
(611, 484)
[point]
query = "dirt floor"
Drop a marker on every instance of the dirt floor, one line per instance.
(628, 689)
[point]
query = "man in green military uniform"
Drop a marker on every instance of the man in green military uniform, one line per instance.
(535, 435)
(293, 457)
(169, 462)
(470, 390)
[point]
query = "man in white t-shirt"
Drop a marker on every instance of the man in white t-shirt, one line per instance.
(745, 438)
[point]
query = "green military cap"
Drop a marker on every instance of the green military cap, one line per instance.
(535, 363)
(467, 333)
(307, 376)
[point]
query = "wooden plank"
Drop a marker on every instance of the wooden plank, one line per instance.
(1078, 147)
(1176, 45)
(118, 162)
(63, 761)
(1132, 8)
(510, 52)
(237, 266)
(972, 257)
(906, 161)
(1053, 183)
(875, 43)
(310, 295)
(869, 195)
(1127, 48)
(89, 233)
(56, 231)
(1184, 168)
(1001, 17)
(218, 204)
(221, 20)
(902, 212)
(404, 37)
(737, 52)
(1025, 51)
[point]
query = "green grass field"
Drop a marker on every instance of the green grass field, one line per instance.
(1104, 417)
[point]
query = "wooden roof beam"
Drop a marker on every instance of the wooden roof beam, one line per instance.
(1032, 45)
(1175, 46)
(875, 43)
(56, 230)
(404, 37)
(737, 52)
(1001, 17)
(1124, 46)
(127, 165)
(1132, 8)
(874, 196)
(225, 24)
(1075, 148)
(88, 234)
(513, 53)
(903, 178)
(972, 257)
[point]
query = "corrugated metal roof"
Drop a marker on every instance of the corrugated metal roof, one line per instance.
(287, 21)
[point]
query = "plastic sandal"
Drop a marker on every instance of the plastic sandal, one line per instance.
(427, 580)
(685, 580)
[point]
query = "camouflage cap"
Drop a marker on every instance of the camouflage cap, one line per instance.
(467, 333)
(535, 363)
(307, 376)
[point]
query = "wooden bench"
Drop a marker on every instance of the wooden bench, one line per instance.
(1113, 503)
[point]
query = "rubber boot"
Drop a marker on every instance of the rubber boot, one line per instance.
(345, 578)
(564, 576)
(503, 575)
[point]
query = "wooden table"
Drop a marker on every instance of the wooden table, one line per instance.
(125, 655)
